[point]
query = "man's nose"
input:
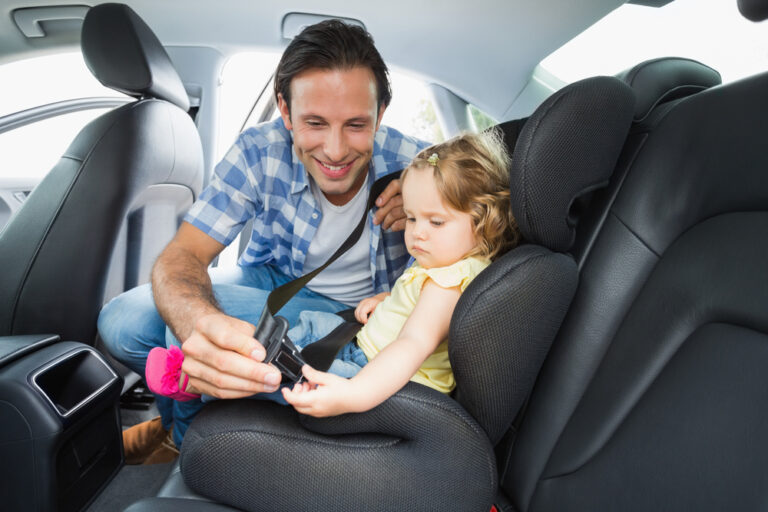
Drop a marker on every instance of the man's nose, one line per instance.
(336, 145)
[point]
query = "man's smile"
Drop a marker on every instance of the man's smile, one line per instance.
(335, 171)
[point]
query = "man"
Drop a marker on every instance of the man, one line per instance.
(304, 180)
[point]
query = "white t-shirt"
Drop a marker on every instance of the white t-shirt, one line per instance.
(349, 278)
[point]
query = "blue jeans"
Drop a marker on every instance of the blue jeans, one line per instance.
(131, 326)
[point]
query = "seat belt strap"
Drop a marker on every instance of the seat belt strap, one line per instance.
(271, 329)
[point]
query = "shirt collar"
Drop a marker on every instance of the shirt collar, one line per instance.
(300, 180)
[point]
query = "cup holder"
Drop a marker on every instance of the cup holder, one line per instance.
(71, 382)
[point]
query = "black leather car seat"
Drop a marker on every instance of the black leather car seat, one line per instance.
(131, 169)
(421, 449)
(658, 85)
(650, 398)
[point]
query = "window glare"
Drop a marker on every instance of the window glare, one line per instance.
(242, 80)
(58, 77)
(710, 31)
(412, 110)
(31, 151)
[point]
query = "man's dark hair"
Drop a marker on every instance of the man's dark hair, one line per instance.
(332, 44)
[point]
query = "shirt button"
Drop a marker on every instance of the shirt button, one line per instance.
(314, 215)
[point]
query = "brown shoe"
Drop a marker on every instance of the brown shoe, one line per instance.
(166, 452)
(141, 440)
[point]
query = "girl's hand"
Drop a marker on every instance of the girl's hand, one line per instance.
(366, 307)
(323, 395)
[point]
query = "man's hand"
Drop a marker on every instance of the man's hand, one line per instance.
(223, 359)
(366, 306)
(323, 395)
(390, 213)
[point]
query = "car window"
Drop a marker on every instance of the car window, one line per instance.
(633, 33)
(55, 77)
(480, 119)
(30, 151)
(245, 90)
(412, 110)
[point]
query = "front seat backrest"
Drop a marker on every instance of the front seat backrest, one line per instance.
(55, 251)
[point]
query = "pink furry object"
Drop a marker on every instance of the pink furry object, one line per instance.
(163, 372)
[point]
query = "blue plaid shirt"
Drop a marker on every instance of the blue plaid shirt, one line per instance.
(261, 178)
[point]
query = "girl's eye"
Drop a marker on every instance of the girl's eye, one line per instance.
(410, 219)
(437, 222)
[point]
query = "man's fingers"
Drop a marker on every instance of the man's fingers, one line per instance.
(210, 381)
(230, 333)
(392, 189)
(206, 361)
(398, 225)
(393, 217)
(390, 212)
(390, 204)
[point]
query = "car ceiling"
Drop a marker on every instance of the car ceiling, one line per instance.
(483, 50)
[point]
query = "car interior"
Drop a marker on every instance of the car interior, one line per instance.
(613, 361)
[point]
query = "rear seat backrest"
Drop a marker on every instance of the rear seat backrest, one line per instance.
(658, 84)
(650, 397)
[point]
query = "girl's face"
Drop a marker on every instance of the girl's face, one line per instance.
(435, 234)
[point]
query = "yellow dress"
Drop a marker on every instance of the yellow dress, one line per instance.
(387, 320)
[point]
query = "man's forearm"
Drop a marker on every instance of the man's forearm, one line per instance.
(182, 290)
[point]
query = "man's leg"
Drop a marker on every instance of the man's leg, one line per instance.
(247, 303)
(130, 327)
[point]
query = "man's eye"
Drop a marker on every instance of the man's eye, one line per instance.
(357, 126)
(314, 123)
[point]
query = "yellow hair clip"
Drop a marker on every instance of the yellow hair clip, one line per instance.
(433, 159)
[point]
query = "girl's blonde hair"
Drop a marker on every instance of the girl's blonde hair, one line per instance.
(472, 176)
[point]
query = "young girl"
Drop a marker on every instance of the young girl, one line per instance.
(456, 201)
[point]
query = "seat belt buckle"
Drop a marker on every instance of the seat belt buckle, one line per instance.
(289, 361)
(281, 352)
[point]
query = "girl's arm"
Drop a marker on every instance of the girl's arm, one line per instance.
(390, 370)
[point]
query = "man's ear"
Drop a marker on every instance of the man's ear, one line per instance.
(382, 108)
(285, 112)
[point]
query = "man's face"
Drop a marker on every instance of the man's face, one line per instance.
(334, 118)
(436, 235)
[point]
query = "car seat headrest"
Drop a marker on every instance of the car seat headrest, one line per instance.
(124, 54)
(754, 10)
(658, 81)
(567, 148)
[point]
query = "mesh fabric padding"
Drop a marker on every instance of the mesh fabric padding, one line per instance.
(502, 329)
(416, 451)
(567, 148)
